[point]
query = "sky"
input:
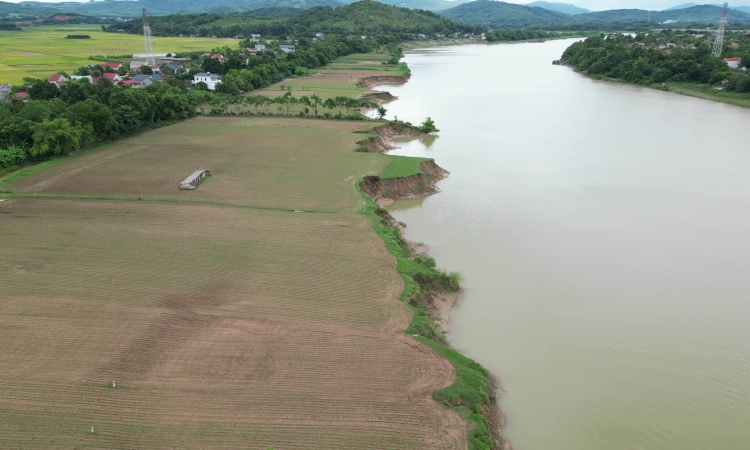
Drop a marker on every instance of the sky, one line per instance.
(599, 5)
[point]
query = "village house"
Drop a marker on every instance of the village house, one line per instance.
(141, 81)
(22, 96)
(111, 76)
(260, 48)
(734, 45)
(4, 91)
(153, 78)
(112, 65)
(221, 58)
(57, 79)
(733, 63)
(136, 65)
(319, 34)
(255, 36)
(286, 48)
(211, 79)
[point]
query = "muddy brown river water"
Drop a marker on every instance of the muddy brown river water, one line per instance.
(604, 233)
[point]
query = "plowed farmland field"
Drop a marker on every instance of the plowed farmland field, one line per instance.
(267, 162)
(222, 325)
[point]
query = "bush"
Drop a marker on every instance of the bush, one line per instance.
(12, 156)
(428, 126)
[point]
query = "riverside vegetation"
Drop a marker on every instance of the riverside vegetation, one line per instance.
(668, 60)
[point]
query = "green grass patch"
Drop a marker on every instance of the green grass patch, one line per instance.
(707, 92)
(473, 387)
(403, 166)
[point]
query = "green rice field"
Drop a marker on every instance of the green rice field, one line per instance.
(40, 51)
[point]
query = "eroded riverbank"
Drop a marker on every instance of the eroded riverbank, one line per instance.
(600, 230)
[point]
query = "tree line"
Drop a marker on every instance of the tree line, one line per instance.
(340, 107)
(611, 57)
(60, 120)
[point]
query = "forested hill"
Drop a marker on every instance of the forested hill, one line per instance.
(391, 23)
(14, 11)
(696, 14)
(504, 15)
(500, 15)
(560, 7)
(132, 8)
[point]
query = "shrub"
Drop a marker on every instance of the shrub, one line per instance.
(12, 156)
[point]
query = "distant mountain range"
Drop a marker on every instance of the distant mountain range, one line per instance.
(566, 8)
(501, 14)
(495, 14)
(132, 8)
(744, 9)
(510, 15)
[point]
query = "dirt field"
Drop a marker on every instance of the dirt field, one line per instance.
(222, 326)
(339, 78)
(266, 162)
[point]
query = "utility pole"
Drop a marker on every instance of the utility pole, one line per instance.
(719, 42)
(150, 60)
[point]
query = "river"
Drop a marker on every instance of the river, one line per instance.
(604, 233)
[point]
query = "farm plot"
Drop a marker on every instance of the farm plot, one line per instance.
(221, 327)
(339, 78)
(41, 51)
(266, 162)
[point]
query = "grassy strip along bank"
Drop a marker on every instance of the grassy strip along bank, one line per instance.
(472, 394)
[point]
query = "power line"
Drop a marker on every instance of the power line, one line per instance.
(719, 42)
(150, 60)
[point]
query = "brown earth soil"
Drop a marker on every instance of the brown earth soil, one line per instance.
(372, 81)
(380, 97)
(223, 326)
(385, 191)
(383, 133)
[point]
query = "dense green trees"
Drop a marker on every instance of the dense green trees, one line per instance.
(621, 57)
(388, 23)
(59, 137)
(81, 113)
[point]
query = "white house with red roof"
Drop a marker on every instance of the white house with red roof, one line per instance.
(733, 63)
(112, 65)
(57, 79)
(734, 45)
(111, 76)
(22, 96)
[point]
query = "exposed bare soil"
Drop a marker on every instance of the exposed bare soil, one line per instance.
(385, 191)
(369, 82)
(222, 326)
(383, 133)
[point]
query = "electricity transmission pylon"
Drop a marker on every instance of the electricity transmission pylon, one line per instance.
(150, 60)
(719, 42)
